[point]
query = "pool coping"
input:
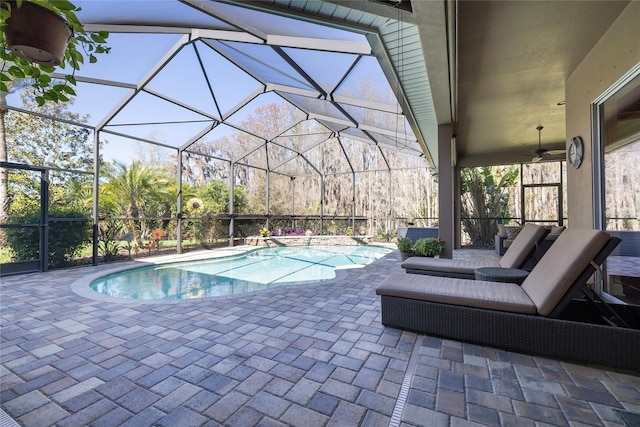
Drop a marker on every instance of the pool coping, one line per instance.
(81, 286)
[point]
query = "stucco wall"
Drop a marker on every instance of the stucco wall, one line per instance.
(614, 55)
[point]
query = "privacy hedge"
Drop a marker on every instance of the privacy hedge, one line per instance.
(69, 230)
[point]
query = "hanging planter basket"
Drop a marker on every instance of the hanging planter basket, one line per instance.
(37, 34)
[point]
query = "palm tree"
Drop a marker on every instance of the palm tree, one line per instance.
(135, 188)
(78, 193)
(485, 199)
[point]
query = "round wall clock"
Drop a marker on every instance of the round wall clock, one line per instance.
(576, 152)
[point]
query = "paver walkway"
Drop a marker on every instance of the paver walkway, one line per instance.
(311, 355)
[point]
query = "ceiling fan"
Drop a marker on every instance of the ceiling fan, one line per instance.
(543, 152)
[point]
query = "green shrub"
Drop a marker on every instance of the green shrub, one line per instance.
(380, 236)
(428, 246)
(108, 239)
(66, 238)
(405, 245)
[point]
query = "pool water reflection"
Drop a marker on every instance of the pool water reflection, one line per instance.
(256, 270)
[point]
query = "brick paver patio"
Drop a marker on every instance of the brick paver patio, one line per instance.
(309, 355)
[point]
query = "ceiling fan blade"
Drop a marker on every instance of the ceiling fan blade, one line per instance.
(536, 159)
(555, 152)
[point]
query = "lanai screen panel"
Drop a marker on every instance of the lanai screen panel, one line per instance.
(338, 194)
(297, 166)
(372, 194)
(364, 156)
(233, 84)
(201, 170)
(306, 195)
(279, 194)
(415, 195)
(304, 135)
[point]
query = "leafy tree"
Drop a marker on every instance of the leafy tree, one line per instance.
(199, 163)
(4, 173)
(49, 142)
(216, 198)
(485, 198)
(45, 142)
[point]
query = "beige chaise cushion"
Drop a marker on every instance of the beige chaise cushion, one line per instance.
(521, 247)
(558, 269)
(470, 293)
(447, 265)
(541, 291)
(515, 257)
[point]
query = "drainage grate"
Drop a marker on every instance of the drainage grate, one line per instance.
(6, 420)
(398, 410)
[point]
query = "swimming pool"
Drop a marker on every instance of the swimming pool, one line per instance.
(253, 271)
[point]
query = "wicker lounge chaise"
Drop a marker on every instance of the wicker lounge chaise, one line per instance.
(538, 317)
(521, 250)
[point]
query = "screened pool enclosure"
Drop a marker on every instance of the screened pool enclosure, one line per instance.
(209, 121)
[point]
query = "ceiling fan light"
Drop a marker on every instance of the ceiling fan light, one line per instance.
(543, 152)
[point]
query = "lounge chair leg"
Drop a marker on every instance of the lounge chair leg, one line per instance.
(606, 312)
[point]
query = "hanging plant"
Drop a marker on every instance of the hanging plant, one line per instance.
(38, 35)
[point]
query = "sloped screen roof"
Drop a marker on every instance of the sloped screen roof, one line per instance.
(224, 81)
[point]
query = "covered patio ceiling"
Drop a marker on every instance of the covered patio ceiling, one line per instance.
(514, 58)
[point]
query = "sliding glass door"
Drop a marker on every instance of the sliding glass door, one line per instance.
(618, 173)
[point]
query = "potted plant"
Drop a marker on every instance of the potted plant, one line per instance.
(47, 44)
(429, 246)
(36, 36)
(405, 246)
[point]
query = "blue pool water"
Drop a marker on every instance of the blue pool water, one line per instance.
(253, 271)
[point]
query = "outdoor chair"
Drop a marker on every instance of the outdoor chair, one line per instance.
(539, 317)
(519, 253)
